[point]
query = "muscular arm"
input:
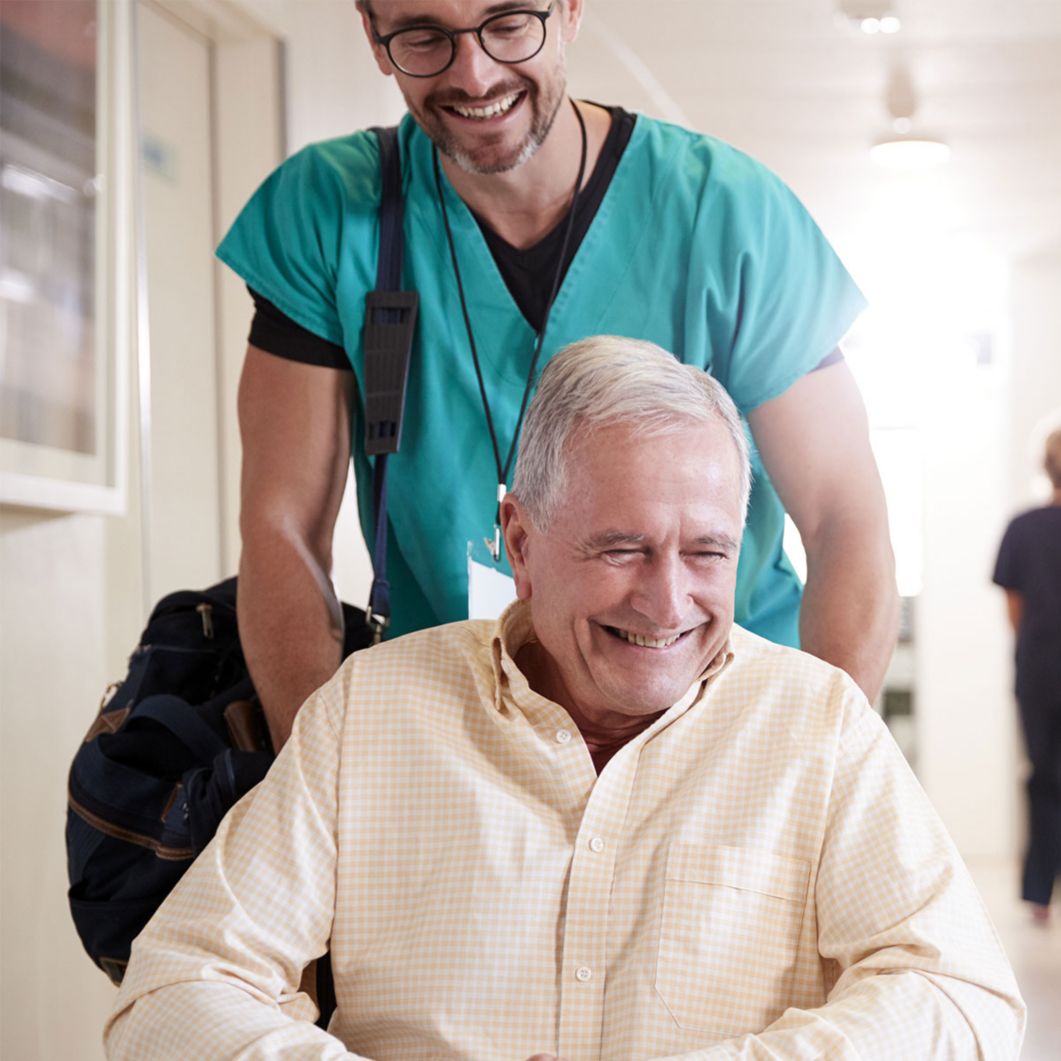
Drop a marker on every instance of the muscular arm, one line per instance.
(295, 425)
(814, 442)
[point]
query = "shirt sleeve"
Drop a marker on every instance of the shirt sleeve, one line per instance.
(787, 299)
(1007, 566)
(276, 333)
(918, 968)
(216, 972)
(288, 241)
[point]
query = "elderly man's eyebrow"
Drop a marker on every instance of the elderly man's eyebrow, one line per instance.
(610, 539)
(613, 539)
(721, 541)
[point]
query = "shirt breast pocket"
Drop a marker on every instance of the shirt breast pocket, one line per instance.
(728, 936)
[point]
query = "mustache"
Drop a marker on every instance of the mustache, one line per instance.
(465, 99)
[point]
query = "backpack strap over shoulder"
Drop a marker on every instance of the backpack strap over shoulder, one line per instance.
(390, 321)
(171, 712)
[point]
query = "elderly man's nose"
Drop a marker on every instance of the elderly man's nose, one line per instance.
(662, 594)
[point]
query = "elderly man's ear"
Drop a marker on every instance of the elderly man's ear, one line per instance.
(515, 524)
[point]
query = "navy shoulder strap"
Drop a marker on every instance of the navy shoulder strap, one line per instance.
(390, 322)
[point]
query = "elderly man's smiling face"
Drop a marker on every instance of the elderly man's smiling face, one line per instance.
(631, 586)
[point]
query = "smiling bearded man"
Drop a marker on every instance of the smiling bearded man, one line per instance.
(500, 125)
(609, 825)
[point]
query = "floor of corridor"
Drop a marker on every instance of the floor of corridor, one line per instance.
(1034, 951)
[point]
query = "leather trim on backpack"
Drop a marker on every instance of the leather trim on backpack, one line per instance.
(172, 854)
(246, 726)
(108, 722)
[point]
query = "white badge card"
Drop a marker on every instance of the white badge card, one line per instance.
(490, 591)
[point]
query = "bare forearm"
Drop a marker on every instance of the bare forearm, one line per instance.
(1015, 609)
(290, 626)
(850, 609)
(295, 428)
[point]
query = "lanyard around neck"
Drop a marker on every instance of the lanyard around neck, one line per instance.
(503, 469)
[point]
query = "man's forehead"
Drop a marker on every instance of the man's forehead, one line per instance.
(398, 13)
(621, 478)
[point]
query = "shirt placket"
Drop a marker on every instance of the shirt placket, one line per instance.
(584, 956)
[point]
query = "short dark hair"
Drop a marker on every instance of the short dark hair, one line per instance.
(363, 5)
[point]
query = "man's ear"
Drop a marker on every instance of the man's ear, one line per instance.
(379, 53)
(571, 12)
(515, 526)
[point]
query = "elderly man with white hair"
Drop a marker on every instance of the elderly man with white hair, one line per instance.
(611, 825)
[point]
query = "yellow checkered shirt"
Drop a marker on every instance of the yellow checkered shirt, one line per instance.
(757, 875)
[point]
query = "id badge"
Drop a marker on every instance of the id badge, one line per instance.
(490, 591)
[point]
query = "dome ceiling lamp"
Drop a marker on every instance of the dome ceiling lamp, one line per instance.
(906, 147)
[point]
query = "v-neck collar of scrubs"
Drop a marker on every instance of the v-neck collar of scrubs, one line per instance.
(592, 277)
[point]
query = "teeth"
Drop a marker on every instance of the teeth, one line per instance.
(491, 111)
(647, 642)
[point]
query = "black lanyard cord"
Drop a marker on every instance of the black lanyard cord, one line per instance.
(503, 469)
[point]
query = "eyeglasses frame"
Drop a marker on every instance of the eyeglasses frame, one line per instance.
(453, 34)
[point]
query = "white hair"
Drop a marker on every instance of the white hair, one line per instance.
(608, 380)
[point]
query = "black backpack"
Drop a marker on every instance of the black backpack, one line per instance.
(158, 770)
(183, 737)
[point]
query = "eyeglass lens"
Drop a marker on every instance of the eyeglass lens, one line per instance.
(512, 37)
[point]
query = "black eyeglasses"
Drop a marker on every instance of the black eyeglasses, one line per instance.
(427, 50)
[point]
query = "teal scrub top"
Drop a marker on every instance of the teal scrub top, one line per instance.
(695, 246)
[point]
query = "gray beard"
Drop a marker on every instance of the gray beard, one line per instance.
(535, 139)
(469, 165)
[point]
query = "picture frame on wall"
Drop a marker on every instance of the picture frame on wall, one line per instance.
(66, 149)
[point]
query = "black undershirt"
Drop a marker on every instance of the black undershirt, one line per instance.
(527, 272)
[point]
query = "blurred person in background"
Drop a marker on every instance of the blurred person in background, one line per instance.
(1029, 570)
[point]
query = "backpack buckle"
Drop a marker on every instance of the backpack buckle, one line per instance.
(390, 321)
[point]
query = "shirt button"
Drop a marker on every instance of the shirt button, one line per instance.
(562, 736)
(582, 974)
(596, 845)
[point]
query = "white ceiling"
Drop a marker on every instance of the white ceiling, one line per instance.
(782, 80)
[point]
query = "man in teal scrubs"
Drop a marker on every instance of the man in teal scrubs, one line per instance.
(514, 191)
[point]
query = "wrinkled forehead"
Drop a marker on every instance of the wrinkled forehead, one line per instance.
(684, 470)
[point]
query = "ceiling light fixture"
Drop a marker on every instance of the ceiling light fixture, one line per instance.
(869, 16)
(906, 147)
(909, 152)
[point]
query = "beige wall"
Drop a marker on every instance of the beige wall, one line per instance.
(1035, 406)
(59, 630)
(72, 587)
